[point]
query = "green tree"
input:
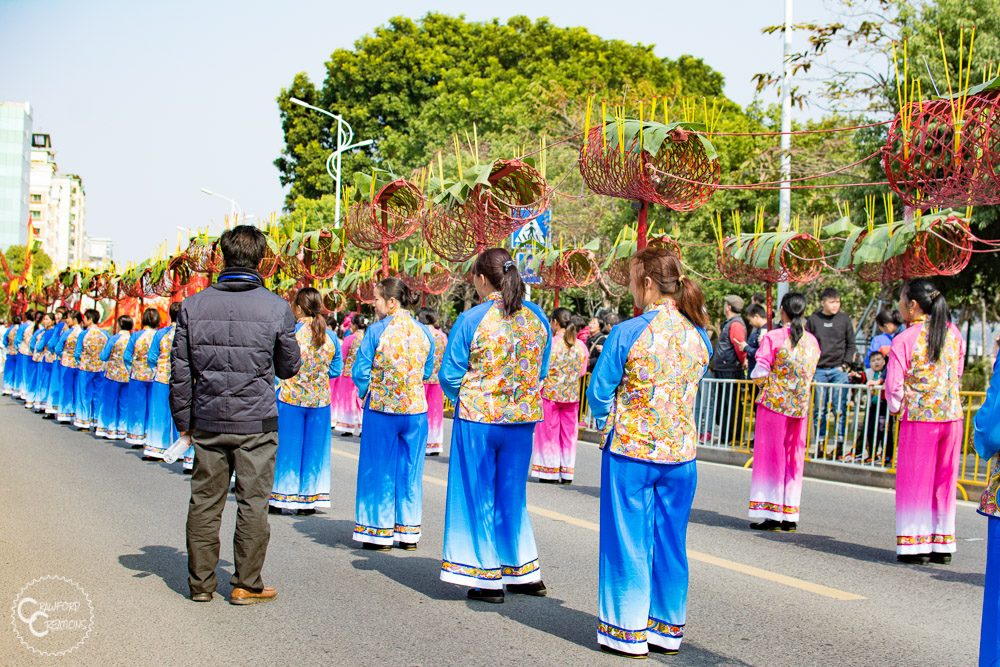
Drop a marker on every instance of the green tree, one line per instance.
(41, 263)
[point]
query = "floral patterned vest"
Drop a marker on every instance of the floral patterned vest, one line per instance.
(162, 374)
(140, 352)
(562, 384)
(988, 503)
(440, 343)
(25, 346)
(349, 350)
(931, 388)
(502, 385)
(116, 369)
(93, 345)
(397, 377)
(310, 388)
(653, 415)
(786, 388)
(68, 359)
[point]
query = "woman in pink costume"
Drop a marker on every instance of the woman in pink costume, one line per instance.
(922, 385)
(345, 406)
(432, 387)
(554, 455)
(786, 364)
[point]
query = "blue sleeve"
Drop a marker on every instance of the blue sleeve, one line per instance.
(130, 349)
(33, 342)
(547, 353)
(153, 355)
(337, 365)
(61, 343)
(455, 363)
(429, 361)
(610, 366)
(108, 346)
(78, 352)
(19, 335)
(987, 435)
(361, 372)
(54, 336)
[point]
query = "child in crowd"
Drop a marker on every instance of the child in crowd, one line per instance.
(757, 319)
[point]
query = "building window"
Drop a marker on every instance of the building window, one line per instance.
(36, 198)
(36, 214)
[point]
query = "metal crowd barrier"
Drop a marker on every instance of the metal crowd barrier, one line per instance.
(849, 425)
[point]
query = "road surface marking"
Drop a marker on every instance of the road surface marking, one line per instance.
(749, 570)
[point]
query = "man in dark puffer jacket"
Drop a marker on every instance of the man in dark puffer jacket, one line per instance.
(230, 342)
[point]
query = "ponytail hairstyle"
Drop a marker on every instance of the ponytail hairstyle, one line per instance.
(564, 318)
(664, 270)
(174, 311)
(309, 301)
(125, 323)
(887, 316)
(498, 268)
(151, 318)
(394, 288)
(934, 305)
(359, 322)
(427, 317)
(793, 304)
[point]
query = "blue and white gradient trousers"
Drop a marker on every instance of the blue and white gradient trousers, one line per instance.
(389, 503)
(488, 540)
(643, 580)
(989, 642)
(302, 466)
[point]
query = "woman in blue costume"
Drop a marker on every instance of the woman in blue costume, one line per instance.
(140, 382)
(642, 394)
(987, 442)
(90, 370)
(54, 353)
(162, 432)
(302, 468)
(395, 357)
(493, 367)
(113, 401)
(10, 362)
(23, 341)
(67, 407)
(38, 393)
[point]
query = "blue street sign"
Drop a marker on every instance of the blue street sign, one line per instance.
(535, 232)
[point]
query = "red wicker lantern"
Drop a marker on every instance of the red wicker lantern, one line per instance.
(944, 248)
(930, 163)
(394, 213)
(640, 176)
(798, 259)
(573, 268)
(619, 270)
(204, 256)
(323, 261)
(334, 301)
(435, 281)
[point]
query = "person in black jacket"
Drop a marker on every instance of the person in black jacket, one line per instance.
(231, 340)
(835, 333)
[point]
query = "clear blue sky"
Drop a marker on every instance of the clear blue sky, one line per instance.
(151, 101)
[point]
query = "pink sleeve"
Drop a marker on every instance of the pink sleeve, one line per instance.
(961, 350)
(895, 373)
(584, 355)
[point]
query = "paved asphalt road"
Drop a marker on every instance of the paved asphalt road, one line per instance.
(96, 513)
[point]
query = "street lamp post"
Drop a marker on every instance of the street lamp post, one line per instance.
(345, 135)
(235, 210)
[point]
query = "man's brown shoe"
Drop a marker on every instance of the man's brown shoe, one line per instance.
(245, 596)
(201, 597)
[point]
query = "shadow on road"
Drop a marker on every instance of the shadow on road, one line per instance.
(167, 563)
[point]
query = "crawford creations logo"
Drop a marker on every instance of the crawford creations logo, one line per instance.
(52, 616)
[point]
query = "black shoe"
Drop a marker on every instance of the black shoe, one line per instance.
(913, 559)
(406, 546)
(485, 595)
(789, 526)
(150, 458)
(537, 589)
(201, 597)
(188, 471)
(434, 454)
(136, 447)
(653, 648)
(376, 547)
(273, 510)
(767, 524)
(623, 654)
(565, 481)
(306, 512)
(547, 481)
(346, 435)
(941, 559)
